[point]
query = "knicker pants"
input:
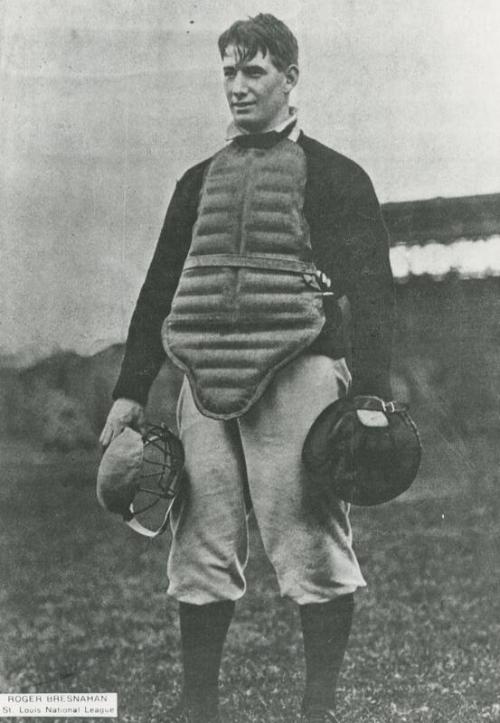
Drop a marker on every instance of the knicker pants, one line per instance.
(260, 452)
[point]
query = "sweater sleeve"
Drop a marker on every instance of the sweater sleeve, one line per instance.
(144, 353)
(370, 291)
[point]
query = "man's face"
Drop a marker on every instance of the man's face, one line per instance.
(257, 92)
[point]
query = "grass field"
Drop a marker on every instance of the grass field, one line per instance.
(84, 609)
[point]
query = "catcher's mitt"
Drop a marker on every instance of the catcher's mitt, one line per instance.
(139, 477)
(362, 464)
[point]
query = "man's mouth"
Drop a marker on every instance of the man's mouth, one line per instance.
(242, 106)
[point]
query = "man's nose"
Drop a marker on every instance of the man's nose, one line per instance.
(239, 88)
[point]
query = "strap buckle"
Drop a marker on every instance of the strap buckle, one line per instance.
(390, 407)
(320, 282)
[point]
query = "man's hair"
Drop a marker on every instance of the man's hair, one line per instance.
(266, 33)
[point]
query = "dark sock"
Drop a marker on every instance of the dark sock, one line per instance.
(326, 628)
(203, 632)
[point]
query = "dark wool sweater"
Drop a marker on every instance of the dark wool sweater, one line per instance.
(349, 243)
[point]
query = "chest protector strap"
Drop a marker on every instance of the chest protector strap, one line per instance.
(247, 302)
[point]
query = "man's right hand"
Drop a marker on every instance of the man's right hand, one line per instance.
(123, 413)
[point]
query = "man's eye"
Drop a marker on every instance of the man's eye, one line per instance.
(229, 73)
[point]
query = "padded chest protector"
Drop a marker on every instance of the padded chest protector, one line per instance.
(247, 302)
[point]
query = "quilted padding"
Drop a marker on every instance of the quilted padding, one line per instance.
(245, 304)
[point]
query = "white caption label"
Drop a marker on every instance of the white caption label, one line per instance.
(67, 705)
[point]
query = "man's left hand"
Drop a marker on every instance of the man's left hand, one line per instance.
(372, 419)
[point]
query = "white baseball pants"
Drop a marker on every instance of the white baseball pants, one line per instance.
(260, 452)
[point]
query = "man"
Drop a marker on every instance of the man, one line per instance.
(238, 295)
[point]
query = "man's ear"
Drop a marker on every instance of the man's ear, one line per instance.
(291, 78)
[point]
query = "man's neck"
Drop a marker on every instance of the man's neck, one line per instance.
(278, 122)
(278, 125)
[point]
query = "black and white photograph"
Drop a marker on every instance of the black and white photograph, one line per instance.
(250, 361)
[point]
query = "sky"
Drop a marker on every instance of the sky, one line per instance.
(105, 103)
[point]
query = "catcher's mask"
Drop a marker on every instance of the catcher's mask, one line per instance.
(361, 464)
(139, 477)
